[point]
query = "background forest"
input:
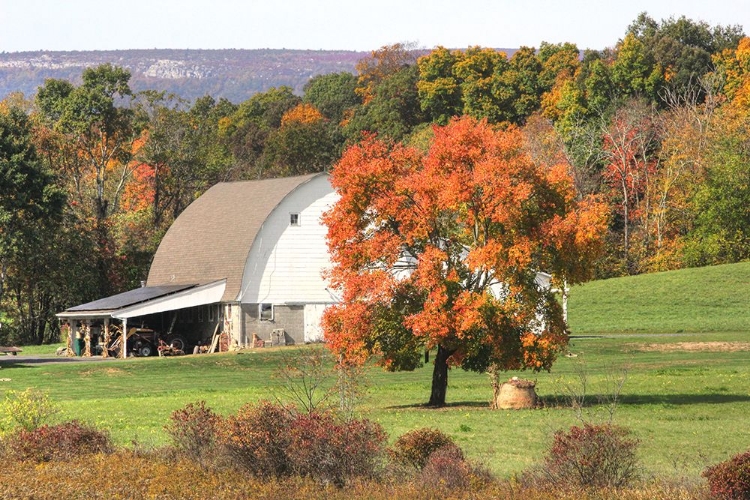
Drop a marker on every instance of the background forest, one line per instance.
(92, 174)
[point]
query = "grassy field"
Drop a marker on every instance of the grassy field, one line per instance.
(686, 396)
(707, 299)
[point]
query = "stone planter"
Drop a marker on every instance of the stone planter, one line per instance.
(517, 394)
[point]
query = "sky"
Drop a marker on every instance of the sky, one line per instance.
(29, 25)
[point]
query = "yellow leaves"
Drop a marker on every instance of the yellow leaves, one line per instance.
(735, 65)
(225, 125)
(303, 114)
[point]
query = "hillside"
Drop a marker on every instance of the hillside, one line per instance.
(707, 299)
(233, 74)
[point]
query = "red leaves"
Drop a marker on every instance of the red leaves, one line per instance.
(444, 229)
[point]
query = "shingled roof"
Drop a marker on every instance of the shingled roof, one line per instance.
(211, 239)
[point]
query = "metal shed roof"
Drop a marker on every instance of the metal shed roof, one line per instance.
(149, 300)
(130, 298)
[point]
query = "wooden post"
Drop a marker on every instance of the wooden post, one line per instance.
(124, 338)
(71, 322)
(228, 321)
(87, 338)
(105, 352)
(72, 333)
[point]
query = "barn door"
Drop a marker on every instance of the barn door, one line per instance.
(313, 315)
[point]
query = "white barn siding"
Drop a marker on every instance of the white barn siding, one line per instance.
(285, 261)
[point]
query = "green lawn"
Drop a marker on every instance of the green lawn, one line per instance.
(685, 400)
(706, 299)
(688, 408)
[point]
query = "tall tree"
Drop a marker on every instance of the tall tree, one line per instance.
(393, 109)
(93, 135)
(31, 209)
(722, 202)
(333, 94)
(635, 72)
(682, 48)
(302, 144)
(439, 87)
(479, 70)
(631, 142)
(93, 118)
(247, 129)
(441, 250)
(381, 64)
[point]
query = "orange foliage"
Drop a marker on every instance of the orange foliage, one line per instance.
(303, 114)
(139, 192)
(460, 232)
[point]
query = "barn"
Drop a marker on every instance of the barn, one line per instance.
(245, 259)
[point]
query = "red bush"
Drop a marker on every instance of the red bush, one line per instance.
(56, 442)
(271, 440)
(594, 456)
(730, 479)
(257, 438)
(446, 468)
(332, 451)
(415, 447)
(193, 430)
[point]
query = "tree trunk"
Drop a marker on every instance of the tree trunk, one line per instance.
(440, 377)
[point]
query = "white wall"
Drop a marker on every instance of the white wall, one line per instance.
(285, 262)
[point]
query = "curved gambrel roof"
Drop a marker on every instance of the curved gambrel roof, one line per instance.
(212, 238)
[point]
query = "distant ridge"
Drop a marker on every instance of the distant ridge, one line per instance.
(234, 74)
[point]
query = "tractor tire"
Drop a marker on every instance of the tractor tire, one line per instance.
(177, 342)
(145, 350)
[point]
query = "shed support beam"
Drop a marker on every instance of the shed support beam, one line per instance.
(72, 335)
(124, 338)
(87, 338)
(106, 338)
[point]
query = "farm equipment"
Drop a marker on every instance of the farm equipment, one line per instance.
(146, 342)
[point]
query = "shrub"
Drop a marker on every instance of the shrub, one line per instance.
(193, 431)
(257, 438)
(28, 409)
(730, 479)
(415, 447)
(58, 442)
(272, 440)
(446, 468)
(592, 456)
(333, 451)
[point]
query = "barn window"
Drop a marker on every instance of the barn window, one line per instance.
(294, 219)
(266, 312)
(211, 314)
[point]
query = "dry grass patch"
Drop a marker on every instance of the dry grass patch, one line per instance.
(693, 347)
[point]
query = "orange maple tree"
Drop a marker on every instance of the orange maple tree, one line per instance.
(442, 249)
